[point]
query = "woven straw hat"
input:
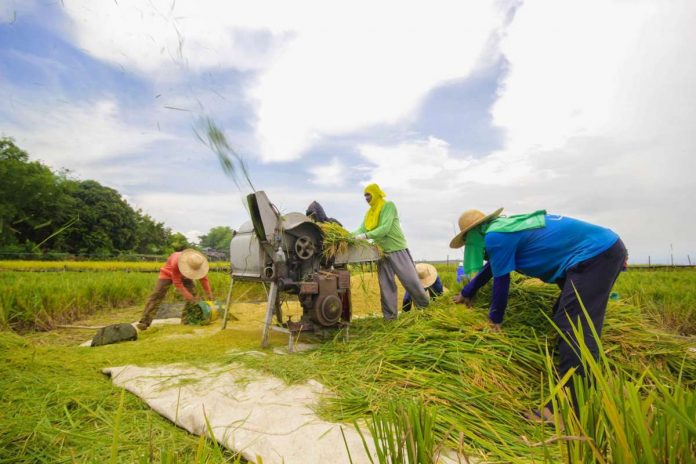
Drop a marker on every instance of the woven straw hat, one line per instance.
(427, 274)
(467, 221)
(193, 264)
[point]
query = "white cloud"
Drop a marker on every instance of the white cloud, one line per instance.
(605, 103)
(329, 174)
(193, 212)
(596, 104)
(77, 135)
(598, 115)
(325, 68)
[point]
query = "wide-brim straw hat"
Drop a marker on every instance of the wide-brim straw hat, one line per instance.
(427, 274)
(193, 264)
(467, 221)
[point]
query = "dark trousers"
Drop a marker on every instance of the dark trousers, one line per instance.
(593, 280)
(158, 295)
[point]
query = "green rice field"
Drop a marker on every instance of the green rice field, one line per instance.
(436, 378)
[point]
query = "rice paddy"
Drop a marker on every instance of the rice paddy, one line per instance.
(455, 384)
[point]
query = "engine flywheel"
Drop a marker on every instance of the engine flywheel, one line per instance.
(329, 311)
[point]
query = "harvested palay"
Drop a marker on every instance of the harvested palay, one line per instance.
(337, 240)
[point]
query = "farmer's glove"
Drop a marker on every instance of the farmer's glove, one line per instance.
(361, 237)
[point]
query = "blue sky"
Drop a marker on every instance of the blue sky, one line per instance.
(581, 108)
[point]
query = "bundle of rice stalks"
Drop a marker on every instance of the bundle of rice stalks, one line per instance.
(337, 240)
(480, 381)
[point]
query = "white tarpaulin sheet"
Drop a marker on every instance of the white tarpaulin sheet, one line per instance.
(253, 414)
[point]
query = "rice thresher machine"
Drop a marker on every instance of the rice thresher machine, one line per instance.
(285, 251)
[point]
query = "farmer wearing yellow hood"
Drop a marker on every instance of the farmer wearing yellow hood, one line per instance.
(381, 225)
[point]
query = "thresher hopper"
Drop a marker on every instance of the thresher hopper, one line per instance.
(285, 252)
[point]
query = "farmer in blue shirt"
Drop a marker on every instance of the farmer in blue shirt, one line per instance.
(427, 274)
(556, 249)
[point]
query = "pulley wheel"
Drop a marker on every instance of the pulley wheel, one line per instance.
(304, 247)
(329, 310)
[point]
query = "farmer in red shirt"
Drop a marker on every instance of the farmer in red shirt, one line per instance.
(181, 269)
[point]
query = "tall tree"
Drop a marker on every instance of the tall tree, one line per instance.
(33, 203)
(106, 224)
(151, 237)
(218, 238)
(53, 212)
(178, 242)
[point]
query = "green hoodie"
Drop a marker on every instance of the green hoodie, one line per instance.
(387, 234)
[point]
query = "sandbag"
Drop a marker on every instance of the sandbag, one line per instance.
(115, 333)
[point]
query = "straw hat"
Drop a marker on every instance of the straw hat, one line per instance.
(427, 274)
(467, 221)
(193, 264)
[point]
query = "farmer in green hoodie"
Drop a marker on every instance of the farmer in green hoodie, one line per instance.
(381, 225)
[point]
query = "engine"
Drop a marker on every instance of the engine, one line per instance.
(285, 251)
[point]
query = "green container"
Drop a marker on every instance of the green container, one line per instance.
(202, 312)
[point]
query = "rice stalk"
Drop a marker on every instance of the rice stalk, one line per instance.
(337, 241)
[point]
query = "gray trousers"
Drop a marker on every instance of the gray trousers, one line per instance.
(399, 263)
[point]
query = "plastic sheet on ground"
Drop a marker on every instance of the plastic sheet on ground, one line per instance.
(256, 415)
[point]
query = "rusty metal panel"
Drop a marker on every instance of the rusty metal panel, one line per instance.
(309, 287)
(343, 279)
(327, 284)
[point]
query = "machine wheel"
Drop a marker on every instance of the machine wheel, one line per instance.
(304, 247)
(329, 310)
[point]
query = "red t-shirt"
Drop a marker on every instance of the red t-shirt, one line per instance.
(170, 271)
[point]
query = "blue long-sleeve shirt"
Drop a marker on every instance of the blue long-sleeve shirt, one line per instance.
(546, 253)
(501, 290)
(435, 289)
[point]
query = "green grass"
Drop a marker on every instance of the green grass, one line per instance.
(57, 406)
(666, 296)
(480, 381)
(92, 266)
(41, 300)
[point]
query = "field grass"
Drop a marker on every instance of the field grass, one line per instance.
(56, 406)
(666, 296)
(93, 266)
(479, 381)
(41, 300)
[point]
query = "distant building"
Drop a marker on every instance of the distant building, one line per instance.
(215, 255)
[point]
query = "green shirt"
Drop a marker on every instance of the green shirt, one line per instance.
(388, 232)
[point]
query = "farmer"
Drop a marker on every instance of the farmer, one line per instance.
(316, 213)
(381, 224)
(573, 254)
(181, 269)
(427, 274)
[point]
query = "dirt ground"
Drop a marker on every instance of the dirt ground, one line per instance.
(246, 317)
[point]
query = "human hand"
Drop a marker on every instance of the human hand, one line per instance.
(459, 299)
(361, 236)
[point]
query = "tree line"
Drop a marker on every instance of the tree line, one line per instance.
(45, 212)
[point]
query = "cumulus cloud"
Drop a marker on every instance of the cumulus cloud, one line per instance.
(595, 102)
(605, 103)
(76, 134)
(340, 68)
(597, 112)
(329, 174)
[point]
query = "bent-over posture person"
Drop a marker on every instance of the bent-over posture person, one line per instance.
(573, 254)
(181, 269)
(381, 224)
(316, 212)
(427, 274)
